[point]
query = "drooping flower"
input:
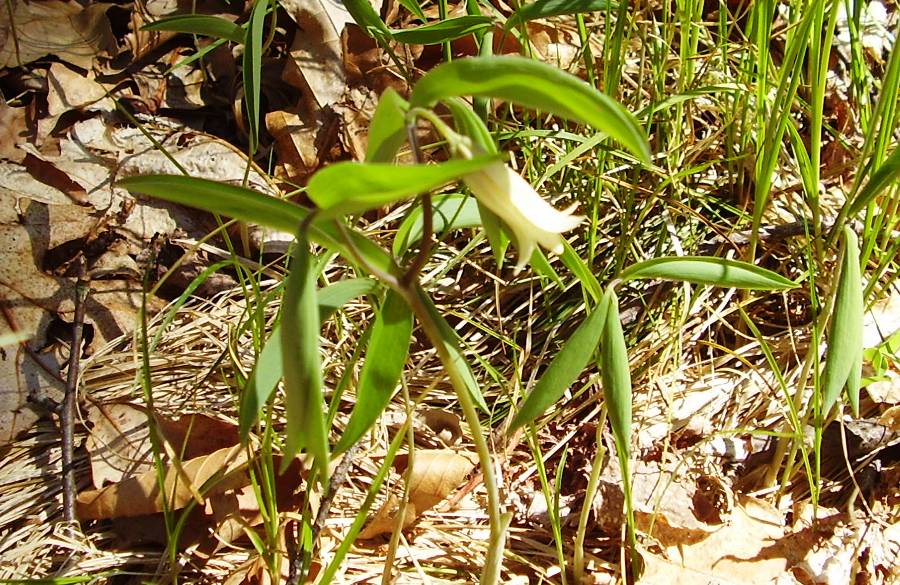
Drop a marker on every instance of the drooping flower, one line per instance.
(526, 214)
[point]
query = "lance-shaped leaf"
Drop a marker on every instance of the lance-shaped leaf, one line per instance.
(351, 187)
(616, 375)
(366, 17)
(451, 212)
(442, 31)
(535, 85)
(387, 131)
(565, 368)
(843, 358)
(251, 206)
(301, 363)
(267, 371)
(385, 358)
(708, 270)
(200, 24)
(545, 8)
(451, 343)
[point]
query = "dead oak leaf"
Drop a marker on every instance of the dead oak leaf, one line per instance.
(218, 472)
(67, 30)
(119, 441)
(434, 474)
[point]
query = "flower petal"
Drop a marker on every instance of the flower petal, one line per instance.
(528, 216)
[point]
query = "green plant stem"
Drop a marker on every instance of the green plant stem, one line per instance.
(498, 520)
(589, 495)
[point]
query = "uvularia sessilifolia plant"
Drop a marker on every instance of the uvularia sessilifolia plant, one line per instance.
(343, 190)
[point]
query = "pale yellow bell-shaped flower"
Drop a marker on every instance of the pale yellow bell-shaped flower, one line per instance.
(531, 220)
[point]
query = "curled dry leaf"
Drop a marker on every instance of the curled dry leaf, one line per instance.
(67, 30)
(750, 548)
(435, 473)
(119, 441)
(446, 425)
(211, 474)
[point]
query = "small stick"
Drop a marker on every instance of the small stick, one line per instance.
(293, 533)
(67, 410)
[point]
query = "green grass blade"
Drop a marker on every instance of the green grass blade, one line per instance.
(304, 407)
(200, 24)
(268, 368)
(536, 85)
(385, 358)
(708, 270)
(452, 345)
(565, 368)
(442, 31)
(388, 128)
(546, 8)
(252, 65)
(352, 187)
(843, 357)
(883, 177)
(451, 212)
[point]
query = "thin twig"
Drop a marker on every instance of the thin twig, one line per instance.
(67, 412)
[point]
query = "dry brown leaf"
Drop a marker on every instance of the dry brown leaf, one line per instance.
(666, 503)
(140, 495)
(32, 301)
(434, 475)
(67, 30)
(751, 548)
(67, 91)
(295, 142)
(14, 130)
(119, 442)
(316, 65)
(446, 425)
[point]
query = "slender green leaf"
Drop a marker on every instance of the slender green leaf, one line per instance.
(251, 206)
(366, 17)
(385, 357)
(334, 296)
(221, 198)
(388, 128)
(352, 187)
(565, 368)
(451, 212)
(582, 272)
(614, 371)
(708, 270)
(301, 363)
(268, 371)
(469, 124)
(546, 8)
(843, 358)
(442, 31)
(200, 24)
(252, 66)
(536, 85)
(452, 345)
(883, 177)
(414, 8)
